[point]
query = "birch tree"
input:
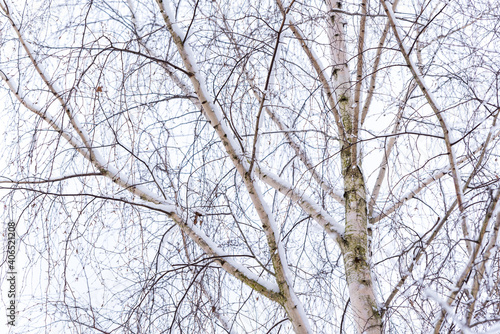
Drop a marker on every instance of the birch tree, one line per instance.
(270, 166)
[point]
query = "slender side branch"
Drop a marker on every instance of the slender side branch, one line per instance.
(376, 63)
(331, 227)
(57, 179)
(258, 122)
(472, 260)
(387, 154)
(315, 62)
(290, 302)
(430, 100)
(359, 66)
(412, 193)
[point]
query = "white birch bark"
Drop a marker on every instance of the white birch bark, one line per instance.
(290, 302)
(473, 259)
(433, 103)
(355, 245)
(430, 180)
(84, 146)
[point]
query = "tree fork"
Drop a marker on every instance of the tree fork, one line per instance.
(355, 248)
(355, 245)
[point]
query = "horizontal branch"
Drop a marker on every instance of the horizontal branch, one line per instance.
(431, 100)
(224, 259)
(57, 179)
(436, 176)
(144, 194)
(329, 224)
(137, 53)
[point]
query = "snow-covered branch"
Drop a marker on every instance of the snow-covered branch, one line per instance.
(331, 227)
(291, 303)
(154, 201)
(473, 259)
(436, 176)
(320, 71)
(431, 100)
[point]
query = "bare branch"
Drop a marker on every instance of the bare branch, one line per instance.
(291, 303)
(430, 100)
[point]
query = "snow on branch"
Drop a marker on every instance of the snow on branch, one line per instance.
(211, 111)
(431, 294)
(329, 224)
(431, 100)
(84, 147)
(436, 176)
(316, 64)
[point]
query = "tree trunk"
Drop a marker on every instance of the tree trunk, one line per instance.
(355, 243)
(355, 250)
